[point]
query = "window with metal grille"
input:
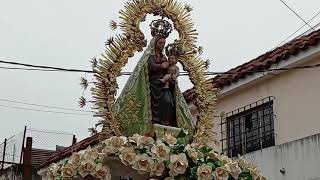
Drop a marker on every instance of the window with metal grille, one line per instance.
(249, 128)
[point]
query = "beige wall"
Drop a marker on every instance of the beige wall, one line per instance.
(296, 104)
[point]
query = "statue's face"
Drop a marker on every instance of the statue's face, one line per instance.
(160, 44)
(172, 60)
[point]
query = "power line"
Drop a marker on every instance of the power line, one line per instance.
(181, 74)
(40, 105)
(299, 29)
(296, 14)
(46, 111)
(44, 67)
(27, 69)
(49, 131)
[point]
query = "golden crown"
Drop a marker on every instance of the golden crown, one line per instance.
(160, 27)
(175, 49)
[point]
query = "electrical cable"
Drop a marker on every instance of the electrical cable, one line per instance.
(298, 30)
(296, 14)
(55, 112)
(40, 105)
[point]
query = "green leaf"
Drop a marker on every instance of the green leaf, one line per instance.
(98, 161)
(245, 175)
(211, 164)
(221, 163)
(142, 151)
(182, 134)
(193, 172)
(167, 163)
(205, 150)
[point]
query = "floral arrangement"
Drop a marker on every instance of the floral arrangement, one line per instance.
(167, 158)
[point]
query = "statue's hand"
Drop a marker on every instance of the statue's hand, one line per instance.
(165, 65)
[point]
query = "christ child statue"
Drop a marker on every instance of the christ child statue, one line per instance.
(172, 72)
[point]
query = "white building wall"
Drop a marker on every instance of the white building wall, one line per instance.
(296, 103)
(300, 160)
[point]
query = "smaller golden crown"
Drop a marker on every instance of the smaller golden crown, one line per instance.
(175, 49)
(161, 28)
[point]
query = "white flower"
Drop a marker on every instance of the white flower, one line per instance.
(204, 172)
(161, 152)
(141, 141)
(67, 171)
(255, 172)
(178, 164)
(169, 178)
(128, 156)
(220, 174)
(261, 178)
(157, 169)
(87, 167)
(53, 169)
(103, 172)
(114, 144)
(75, 159)
(244, 164)
(143, 164)
(214, 156)
(171, 140)
(90, 154)
(233, 169)
(217, 157)
(193, 153)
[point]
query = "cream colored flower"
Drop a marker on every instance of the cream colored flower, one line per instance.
(108, 149)
(193, 153)
(178, 164)
(217, 157)
(143, 164)
(87, 167)
(169, 178)
(214, 156)
(103, 172)
(261, 178)
(67, 171)
(220, 174)
(141, 141)
(171, 140)
(128, 156)
(75, 159)
(204, 172)
(244, 164)
(255, 172)
(225, 159)
(161, 152)
(90, 154)
(53, 169)
(135, 138)
(233, 169)
(157, 169)
(114, 144)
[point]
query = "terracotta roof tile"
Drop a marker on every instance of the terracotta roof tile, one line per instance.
(262, 62)
(90, 141)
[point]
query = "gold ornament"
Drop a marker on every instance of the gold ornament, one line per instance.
(133, 40)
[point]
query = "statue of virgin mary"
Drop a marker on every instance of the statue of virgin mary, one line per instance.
(144, 102)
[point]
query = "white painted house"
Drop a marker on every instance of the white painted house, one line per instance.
(271, 117)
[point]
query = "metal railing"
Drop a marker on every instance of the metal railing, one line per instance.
(248, 128)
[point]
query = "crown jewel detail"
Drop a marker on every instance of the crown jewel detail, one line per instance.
(161, 28)
(175, 49)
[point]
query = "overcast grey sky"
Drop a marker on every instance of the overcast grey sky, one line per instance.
(68, 33)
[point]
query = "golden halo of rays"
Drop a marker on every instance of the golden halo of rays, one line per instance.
(132, 40)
